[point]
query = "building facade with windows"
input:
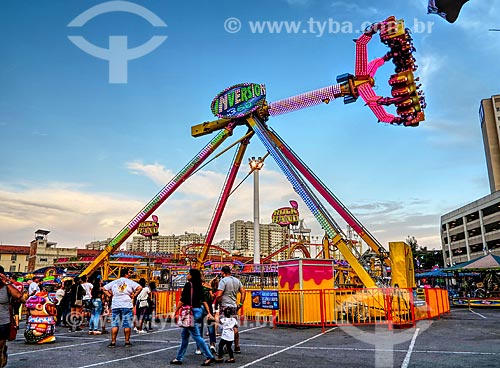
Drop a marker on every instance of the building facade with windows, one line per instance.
(98, 244)
(14, 258)
(489, 115)
(472, 230)
(272, 237)
(164, 243)
(43, 253)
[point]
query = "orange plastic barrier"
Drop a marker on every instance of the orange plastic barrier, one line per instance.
(331, 307)
(166, 302)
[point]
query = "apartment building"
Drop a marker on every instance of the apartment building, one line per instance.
(472, 230)
(489, 116)
(272, 237)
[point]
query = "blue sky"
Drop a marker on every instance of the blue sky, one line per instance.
(81, 156)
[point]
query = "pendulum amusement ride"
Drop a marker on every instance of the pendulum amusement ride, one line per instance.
(245, 105)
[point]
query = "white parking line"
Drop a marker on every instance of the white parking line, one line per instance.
(406, 361)
(94, 341)
(151, 352)
(131, 357)
(479, 314)
(288, 348)
(58, 347)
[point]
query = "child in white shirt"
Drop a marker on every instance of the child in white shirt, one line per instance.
(226, 324)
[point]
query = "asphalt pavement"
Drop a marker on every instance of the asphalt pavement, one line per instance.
(462, 338)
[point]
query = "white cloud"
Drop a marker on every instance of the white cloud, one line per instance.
(76, 216)
(478, 16)
(353, 8)
(298, 2)
(66, 209)
(429, 66)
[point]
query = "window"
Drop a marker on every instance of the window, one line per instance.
(43, 259)
(12, 268)
(13, 257)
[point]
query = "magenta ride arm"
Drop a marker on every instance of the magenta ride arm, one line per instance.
(304, 100)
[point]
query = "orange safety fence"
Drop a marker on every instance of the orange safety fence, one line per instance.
(332, 307)
(437, 303)
(166, 302)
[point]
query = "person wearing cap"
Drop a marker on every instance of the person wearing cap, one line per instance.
(227, 293)
(34, 286)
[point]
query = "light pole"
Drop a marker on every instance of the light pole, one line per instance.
(255, 166)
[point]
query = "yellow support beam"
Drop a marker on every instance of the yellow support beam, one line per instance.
(208, 127)
(360, 271)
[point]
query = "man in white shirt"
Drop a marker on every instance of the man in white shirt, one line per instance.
(34, 287)
(123, 292)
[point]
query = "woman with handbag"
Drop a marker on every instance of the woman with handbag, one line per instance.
(191, 307)
(76, 301)
(8, 294)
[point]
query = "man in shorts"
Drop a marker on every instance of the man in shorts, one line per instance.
(122, 292)
(226, 295)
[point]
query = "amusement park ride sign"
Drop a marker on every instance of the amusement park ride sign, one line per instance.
(286, 215)
(149, 228)
(239, 100)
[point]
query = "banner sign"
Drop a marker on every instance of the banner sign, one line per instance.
(265, 299)
(285, 216)
(419, 299)
(239, 100)
(148, 228)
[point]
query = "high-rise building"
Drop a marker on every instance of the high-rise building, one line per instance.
(164, 243)
(98, 244)
(489, 114)
(474, 229)
(272, 237)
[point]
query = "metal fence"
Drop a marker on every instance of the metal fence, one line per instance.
(332, 307)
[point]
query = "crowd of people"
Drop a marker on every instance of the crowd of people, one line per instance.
(85, 303)
(90, 303)
(216, 303)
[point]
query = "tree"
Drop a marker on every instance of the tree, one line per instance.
(424, 259)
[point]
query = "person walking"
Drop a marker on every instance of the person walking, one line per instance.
(209, 291)
(122, 291)
(148, 318)
(96, 309)
(141, 306)
(8, 293)
(227, 293)
(227, 324)
(66, 302)
(87, 299)
(193, 295)
(34, 286)
(59, 298)
(106, 311)
(76, 301)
